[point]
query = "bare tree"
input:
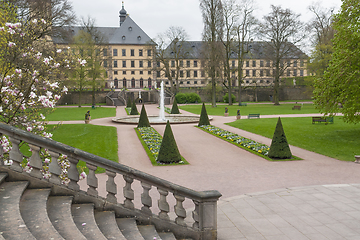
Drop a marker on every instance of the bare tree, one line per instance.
(282, 30)
(212, 12)
(321, 33)
(230, 15)
(171, 49)
(243, 36)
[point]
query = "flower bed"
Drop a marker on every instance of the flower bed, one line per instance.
(245, 143)
(151, 141)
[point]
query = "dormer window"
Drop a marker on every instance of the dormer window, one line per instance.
(130, 28)
(139, 38)
(123, 37)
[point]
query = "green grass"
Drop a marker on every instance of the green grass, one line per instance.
(263, 109)
(151, 156)
(339, 140)
(98, 140)
(76, 113)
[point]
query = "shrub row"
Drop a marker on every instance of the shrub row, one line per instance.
(187, 98)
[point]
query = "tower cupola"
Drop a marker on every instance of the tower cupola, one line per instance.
(123, 14)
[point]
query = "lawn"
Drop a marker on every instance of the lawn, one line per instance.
(98, 140)
(339, 140)
(263, 109)
(76, 113)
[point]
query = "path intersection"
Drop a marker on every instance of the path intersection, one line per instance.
(315, 198)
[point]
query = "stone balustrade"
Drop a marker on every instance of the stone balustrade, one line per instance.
(204, 215)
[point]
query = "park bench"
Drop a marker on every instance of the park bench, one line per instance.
(296, 107)
(326, 120)
(254, 115)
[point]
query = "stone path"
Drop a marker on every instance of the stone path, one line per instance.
(309, 205)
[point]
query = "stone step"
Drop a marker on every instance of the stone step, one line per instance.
(59, 211)
(2, 177)
(148, 232)
(33, 209)
(129, 228)
(107, 224)
(12, 225)
(167, 236)
(83, 215)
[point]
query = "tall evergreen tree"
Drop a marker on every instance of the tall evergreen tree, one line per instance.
(204, 119)
(175, 108)
(143, 120)
(279, 146)
(169, 152)
(134, 110)
(128, 102)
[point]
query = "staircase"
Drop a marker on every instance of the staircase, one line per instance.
(32, 207)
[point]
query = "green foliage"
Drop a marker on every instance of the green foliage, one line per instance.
(279, 146)
(226, 98)
(187, 98)
(204, 119)
(180, 98)
(134, 110)
(128, 102)
(341, 81)
(143, 120)
(175, 108)
(169, 152)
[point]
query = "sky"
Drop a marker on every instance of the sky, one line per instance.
(156, 16)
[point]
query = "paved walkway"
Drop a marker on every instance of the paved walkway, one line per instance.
(316, 199)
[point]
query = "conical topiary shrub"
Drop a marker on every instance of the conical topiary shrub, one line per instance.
(143, 120)
(279, 146)
(134, 110)
(204, 119)
(169, 152)
(128, 102)
(175, 109)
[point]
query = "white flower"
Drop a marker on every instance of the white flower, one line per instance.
(34, 20)
(82, 175)
(1, 110)
(58, 51)
(47, 160)
(65, 90)
(8, 162)
(29, 129)
(11, 44)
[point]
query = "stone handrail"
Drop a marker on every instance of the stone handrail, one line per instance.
(205, 202)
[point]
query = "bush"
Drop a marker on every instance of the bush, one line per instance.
(169, 152)
(180, 98)
(134, 110)
(143, 120)
(187, 98)
(204, 119)
(175, 108)
(128, 102)
(226, 98)
(279, 148)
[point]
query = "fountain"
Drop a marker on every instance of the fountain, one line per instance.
(161, 119)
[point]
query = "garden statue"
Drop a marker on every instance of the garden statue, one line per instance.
(87, 117)
(226, 112)
(238, 116)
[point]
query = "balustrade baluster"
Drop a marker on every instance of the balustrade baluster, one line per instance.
(163, 204)
(54, 168)
(111, 187)
(92, 180)
(15, 155)
(179, 210)
(35, 162)
(73, 174)
(145, 198)
(196, 214)
(128, 192)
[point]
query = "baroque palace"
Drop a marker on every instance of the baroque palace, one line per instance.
(130, 63)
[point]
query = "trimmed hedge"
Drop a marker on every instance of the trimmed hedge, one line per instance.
(187, 98)
(279, 148)
(175, 108)
(134, 110)
(169, 152)
(143, 120)
(204, 119)
(128, 102)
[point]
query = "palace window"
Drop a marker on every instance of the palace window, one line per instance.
(115, 52)
(132, 52)
(123, 51)
(140, 52)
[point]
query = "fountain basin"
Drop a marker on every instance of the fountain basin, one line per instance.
(173, 119)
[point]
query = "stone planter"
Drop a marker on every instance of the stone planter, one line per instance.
(238, 117)
(226, 114)
(87, 121)
(357, 159)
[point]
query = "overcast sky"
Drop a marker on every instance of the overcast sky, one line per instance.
(156, 16)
